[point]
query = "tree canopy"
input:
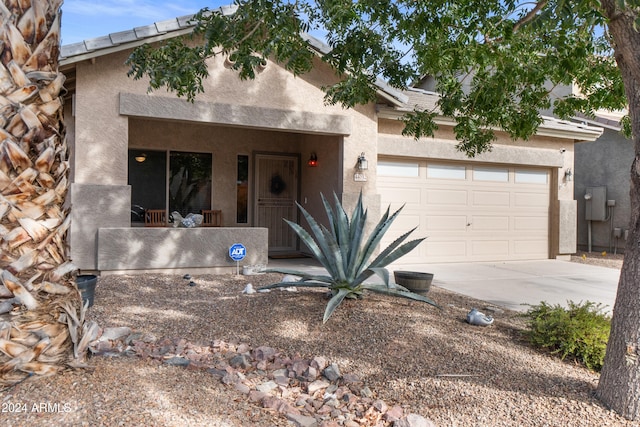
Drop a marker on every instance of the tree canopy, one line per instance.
(496, 63)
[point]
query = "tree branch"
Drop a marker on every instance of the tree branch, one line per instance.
(529, 16)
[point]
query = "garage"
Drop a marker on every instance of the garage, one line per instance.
(467, 211)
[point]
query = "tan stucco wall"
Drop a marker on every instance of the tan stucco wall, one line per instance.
(276, 112)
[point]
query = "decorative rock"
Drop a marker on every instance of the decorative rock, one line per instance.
(332, 372)
(177, 361)
(474, 317)
(311, 374)
(113, 334)
(249, 289)
(319, 362)
(350, 378)
(300, 367)
(317, 385)
(366, 392)
(257, 396)
(264, 353)
(187, 277)
(393, 414)
(242, 388)
(266, 387)
(413, 420)
(380, 406)
(217, 372)
(302, 420)
(290, 278)
(240, 361)
(192, 283)
(243, 348)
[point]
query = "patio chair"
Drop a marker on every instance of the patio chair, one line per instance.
(211, 218)
(155, 218)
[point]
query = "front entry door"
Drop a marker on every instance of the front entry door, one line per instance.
(276, 184)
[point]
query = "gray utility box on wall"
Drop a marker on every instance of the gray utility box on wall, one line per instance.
(596, 204)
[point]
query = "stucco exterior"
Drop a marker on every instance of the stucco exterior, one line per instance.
(604, 163)
(108, 114)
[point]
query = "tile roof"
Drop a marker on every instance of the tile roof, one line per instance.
(404, 101)
(80, 51)
(427, 100)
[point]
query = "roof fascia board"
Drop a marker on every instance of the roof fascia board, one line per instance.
(590, 134)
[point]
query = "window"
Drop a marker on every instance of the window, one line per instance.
(531, 177)
(446, 172)
(490, 174)
(242, 187)
(147, 178)
(189, 182)
(187, 185)
(398, 169)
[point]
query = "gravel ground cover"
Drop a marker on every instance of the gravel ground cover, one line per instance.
(428, 361)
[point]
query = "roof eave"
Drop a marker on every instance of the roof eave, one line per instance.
(545, 129)
(120, 47)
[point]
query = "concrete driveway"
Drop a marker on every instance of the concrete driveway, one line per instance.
(514, 284)
(517, 284)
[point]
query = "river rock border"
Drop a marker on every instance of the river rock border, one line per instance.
(308, 392)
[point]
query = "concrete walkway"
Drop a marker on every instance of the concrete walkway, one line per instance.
(513, 285)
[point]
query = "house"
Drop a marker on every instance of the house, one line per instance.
(602, 171)
(251, 149)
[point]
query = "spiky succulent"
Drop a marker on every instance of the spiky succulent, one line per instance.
(345, 252)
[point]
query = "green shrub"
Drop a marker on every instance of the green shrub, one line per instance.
(580, 331)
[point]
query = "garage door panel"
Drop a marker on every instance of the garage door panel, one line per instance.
(533, 200)
(400, 196)
(489, 249)
(531, 247)
(446, 223)
(491, 198)
(490, 223)
(448, 197)
(450, 249)
(467, 219)
(530, 223)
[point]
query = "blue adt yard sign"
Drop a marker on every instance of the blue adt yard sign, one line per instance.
(237, 252)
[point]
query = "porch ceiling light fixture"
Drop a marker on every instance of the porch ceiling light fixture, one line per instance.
(313, 160)
(568, 175)
(363, 164)
(141, 158)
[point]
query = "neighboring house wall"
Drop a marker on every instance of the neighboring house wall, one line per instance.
(605, 162)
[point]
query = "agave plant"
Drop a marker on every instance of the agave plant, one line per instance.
(346, 255)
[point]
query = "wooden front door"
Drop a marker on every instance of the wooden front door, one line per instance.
(276, 184)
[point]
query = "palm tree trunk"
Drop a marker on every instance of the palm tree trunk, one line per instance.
(41, 314)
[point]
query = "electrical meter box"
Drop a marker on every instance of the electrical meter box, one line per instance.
(596, 204)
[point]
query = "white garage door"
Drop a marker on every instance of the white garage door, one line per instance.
(468, 212)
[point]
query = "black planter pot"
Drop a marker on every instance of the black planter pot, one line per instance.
(415, 281)
(87, 286)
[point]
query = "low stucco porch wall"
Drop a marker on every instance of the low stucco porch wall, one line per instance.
(201, 250)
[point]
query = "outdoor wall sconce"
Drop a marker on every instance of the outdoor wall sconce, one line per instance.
(141, 158)
(568, 175)
(362, 164)
(313, 160)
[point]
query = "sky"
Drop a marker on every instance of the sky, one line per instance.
(86, 19)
